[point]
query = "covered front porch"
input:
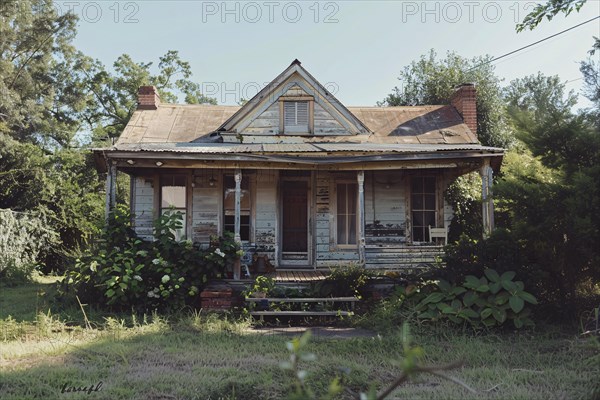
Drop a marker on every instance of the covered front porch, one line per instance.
(305, 213)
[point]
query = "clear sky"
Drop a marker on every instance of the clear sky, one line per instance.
(355, 48)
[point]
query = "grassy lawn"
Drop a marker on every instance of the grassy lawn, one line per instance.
(204, 357)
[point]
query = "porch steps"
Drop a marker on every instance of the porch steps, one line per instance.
(269, 302)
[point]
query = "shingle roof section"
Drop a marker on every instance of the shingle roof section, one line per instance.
(175, 123)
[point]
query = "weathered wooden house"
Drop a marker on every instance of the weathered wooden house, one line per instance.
(299, 177)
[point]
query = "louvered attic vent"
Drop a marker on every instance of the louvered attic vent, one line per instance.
(296, 118)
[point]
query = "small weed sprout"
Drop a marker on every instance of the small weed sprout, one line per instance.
(411, 366)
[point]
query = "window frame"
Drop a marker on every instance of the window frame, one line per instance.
(246, 179)
(311, 108)
(181, 234)
(334, 226)
(411, 208)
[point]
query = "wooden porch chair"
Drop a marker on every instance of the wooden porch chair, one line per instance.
(247, 259)
(438, 233)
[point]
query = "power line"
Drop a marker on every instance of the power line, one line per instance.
(532, 44)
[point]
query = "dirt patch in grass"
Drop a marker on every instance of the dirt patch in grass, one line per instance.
(318, 332)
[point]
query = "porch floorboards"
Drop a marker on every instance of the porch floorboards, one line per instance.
(297, 276)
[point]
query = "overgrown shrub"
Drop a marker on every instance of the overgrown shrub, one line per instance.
(344, 280)
(22, 238)
(127, 272)
(467, 256)
(489, 301)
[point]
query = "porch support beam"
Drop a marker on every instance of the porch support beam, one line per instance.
(360, 177)
(111, 187)
(487, 201)
(237, 265)
(238, 202)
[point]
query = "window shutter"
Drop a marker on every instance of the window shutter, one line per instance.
(295, 116)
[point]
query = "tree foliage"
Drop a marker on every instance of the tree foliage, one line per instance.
(550, 190)
(18, 253)
(36, 105)
(549, 10)
(430, 80)
(113, 95)
(53, 99)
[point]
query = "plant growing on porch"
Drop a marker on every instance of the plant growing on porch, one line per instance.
(223, 252)
(261, 288)
(344, 280)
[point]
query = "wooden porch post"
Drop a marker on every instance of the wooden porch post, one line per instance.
(487, 175)
(238, 202)
(111, 187)
(236, 227)
(360, 177)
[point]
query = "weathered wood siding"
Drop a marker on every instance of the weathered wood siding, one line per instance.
(325, 124)
(323, 217)
(266, 123)
(385, 208)
(402, 257)
(327, 252)
(265, 225)
(206, 205)
(143, 206)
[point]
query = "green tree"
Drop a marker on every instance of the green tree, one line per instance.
(36, 105)
(550, 188)
(51, 94)
(430, 80)
(41, 171)
(113, 96)
(549, 10)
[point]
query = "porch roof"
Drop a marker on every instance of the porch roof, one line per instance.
(274, 148)
(299, 155)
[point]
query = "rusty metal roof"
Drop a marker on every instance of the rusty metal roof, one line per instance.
(259, 148)
(418, 125)
(174, 123)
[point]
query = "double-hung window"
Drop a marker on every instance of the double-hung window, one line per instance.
(173, 199)
(229, 207)
(423, 207)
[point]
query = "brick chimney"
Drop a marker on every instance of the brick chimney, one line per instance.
(148, 98)
(464, 100)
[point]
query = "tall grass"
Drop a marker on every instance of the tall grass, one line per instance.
(195, 355)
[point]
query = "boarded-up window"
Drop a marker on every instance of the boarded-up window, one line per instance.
(173, 199)
(423, 206)
(346, 213)
(229, 207)
(295, 117)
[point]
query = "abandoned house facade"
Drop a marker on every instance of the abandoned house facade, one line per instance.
(298, 177)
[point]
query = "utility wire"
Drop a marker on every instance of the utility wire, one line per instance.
(532, 44)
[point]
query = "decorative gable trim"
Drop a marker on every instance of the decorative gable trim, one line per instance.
(294, 79)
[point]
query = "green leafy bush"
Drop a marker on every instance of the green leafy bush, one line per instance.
(344, 280)
(467, 256)
(127, 272)
(22, 237)
(488, 301)
(262, 286)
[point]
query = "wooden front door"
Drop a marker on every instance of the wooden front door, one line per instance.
(295, 245)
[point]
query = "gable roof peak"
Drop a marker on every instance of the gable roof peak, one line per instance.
(294, 74)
